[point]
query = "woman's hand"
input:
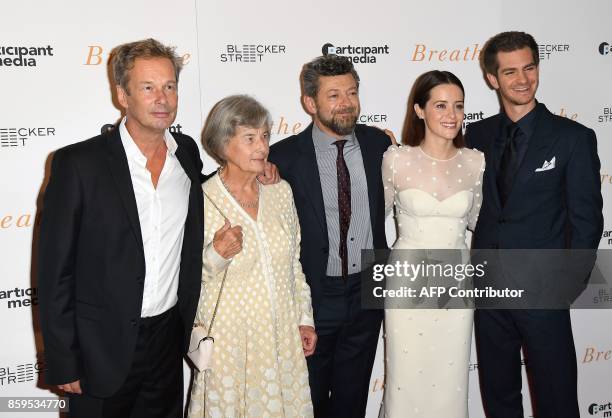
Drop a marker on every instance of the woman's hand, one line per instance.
(228, 240)
(270, 174)
(309, 339)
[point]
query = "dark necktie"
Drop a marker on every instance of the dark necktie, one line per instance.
(344, 204)
(509, 163)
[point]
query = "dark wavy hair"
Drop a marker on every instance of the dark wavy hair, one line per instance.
(413, 132)
(325, 65)
(507, 42)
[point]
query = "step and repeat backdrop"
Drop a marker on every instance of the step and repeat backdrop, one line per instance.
(56, 91)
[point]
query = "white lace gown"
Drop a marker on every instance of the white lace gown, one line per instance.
(427, 351)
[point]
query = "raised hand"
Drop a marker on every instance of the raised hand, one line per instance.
(228, 240)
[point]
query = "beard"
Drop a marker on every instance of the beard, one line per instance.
(339, 123)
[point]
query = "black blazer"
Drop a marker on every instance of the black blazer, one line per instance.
(296, 160)
(91, 262)
(557, 208)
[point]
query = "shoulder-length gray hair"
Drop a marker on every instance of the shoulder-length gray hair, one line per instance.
(225, 116)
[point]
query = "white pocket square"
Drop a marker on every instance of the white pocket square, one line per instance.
(548, 165)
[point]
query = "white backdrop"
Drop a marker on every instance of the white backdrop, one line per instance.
(62, 95)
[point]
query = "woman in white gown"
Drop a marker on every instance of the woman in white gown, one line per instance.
(435, 185)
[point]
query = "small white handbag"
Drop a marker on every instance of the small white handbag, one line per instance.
(201, 343)
(200, 348)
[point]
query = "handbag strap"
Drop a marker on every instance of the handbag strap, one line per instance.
(214, 315)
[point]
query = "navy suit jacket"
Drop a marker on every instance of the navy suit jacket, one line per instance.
(296, 160)
(549, 209)
(91, 262)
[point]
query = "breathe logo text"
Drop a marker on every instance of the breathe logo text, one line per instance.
(96, 55)
(423, 53)
(595, 355)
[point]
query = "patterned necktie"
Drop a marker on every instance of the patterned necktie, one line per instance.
(509, 163)
(344, 204)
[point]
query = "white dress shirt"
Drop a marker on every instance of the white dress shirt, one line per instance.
(162, 212)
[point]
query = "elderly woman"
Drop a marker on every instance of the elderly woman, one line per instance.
(263, 328)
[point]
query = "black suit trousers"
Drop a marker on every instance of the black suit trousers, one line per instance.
(154, 385)
(340, 369)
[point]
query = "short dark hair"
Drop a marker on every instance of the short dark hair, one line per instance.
(413, 132)
(325, 65)
(507, 42)
(123, 58)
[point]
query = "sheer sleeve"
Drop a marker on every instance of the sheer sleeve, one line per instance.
(388, 176)
(477, 194)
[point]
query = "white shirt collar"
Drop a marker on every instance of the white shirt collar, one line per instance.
(131, 149)
(323, 142)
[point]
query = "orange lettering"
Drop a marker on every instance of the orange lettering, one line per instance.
(95, 55)
(588, 356)
(420, 52)
(476, 54)
(282, 127)
(6, 222)
(24, 220)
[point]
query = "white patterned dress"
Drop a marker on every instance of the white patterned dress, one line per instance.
(258, 366)
(427, 351)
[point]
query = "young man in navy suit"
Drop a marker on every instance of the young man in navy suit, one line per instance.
(541, 190)
(334, 168)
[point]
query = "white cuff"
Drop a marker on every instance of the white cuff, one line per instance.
(307, 321)
(213, 261)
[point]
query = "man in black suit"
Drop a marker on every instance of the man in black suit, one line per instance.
(120, 253)
(541, 191)
(334, 168)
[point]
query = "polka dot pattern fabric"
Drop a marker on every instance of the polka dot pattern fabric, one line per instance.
(258, 366)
